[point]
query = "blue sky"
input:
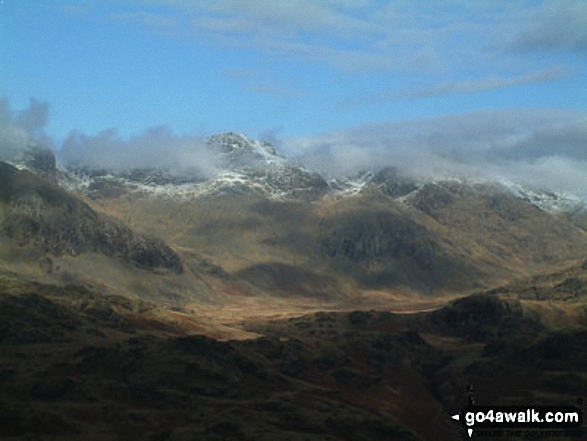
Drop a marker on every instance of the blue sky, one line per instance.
(305, 74)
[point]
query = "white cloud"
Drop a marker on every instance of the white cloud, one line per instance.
(540, 147)
(18, 130)
(154, 148)
(544, 148)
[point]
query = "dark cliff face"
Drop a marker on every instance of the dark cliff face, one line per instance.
(43, 215)
(432, 197)
(41, 159)
(392, 183)
(383, 248)
(378, 234)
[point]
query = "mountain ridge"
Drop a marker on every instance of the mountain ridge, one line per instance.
(249, 166)
(340, 314)
(262, 221)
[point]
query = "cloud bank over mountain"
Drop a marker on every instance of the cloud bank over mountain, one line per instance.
(156, 147)
(538, 147)
(542, 148)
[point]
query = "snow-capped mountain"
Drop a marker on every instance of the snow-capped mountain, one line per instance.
(552, 202)
(245, 165)
(384, 228)
(239, 152)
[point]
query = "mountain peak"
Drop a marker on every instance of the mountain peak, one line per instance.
(240, 151)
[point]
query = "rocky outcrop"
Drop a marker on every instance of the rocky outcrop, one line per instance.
(393, 184)
(41, 160)
(432, 197)
(477, 317)
(238, 151)
(382, 249)
(366, 236)
(40, 213)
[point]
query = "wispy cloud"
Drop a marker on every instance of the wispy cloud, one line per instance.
(436, 38)
(270, 89)
(468, 86)
(559, 25)
(263, 81)
(158, 21)
(385, 51)
(352, 35)
(282, 19)
(76, 10)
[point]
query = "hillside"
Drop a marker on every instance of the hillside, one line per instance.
(80, 365)
(439, 238)
(279, 305)
(39, 213)
(264, 227)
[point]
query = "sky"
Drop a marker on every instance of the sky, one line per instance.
(487, 87)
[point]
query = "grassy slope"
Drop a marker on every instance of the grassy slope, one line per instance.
(369, 242)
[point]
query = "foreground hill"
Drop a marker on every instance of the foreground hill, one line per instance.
(80, 365)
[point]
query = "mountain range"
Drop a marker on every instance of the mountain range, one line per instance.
(261, 300)
(247, 165)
